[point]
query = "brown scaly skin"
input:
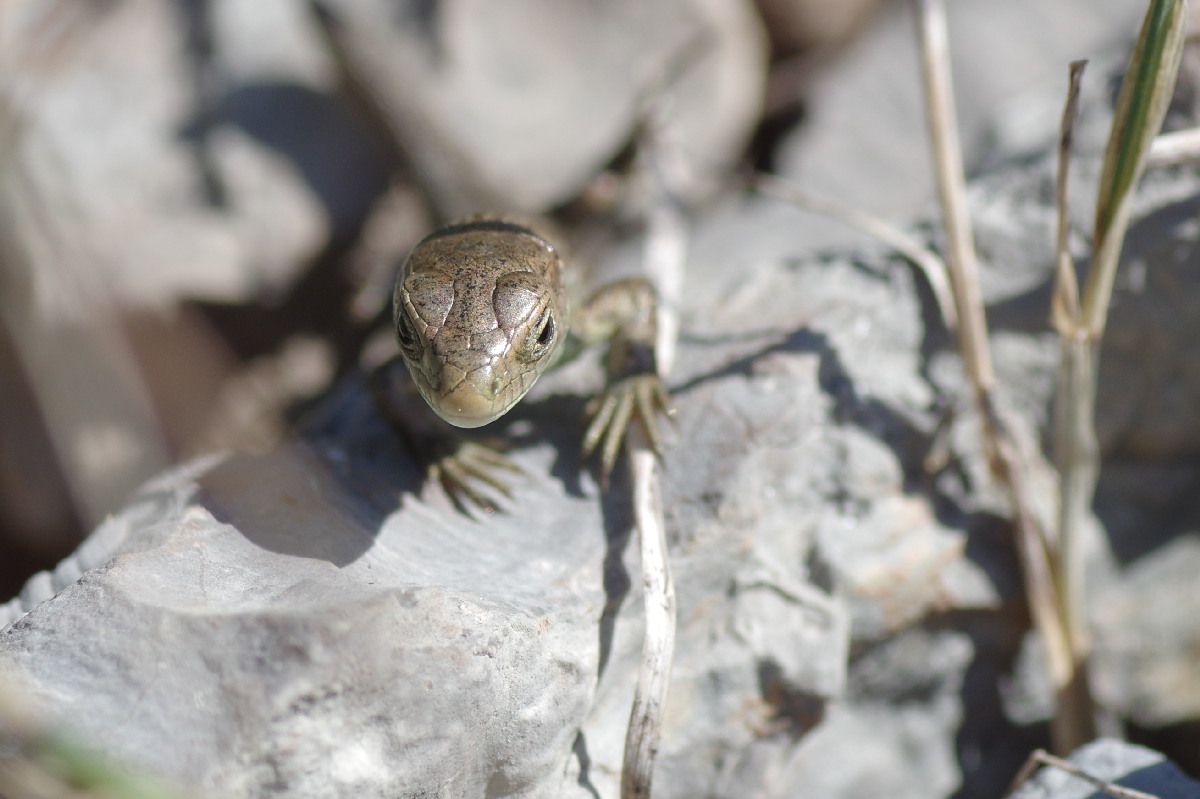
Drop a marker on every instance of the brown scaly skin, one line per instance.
(480, 309)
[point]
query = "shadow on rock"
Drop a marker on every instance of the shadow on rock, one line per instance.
(290, 502)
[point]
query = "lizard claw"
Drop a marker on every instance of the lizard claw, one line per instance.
(470, 477)
(612, 411)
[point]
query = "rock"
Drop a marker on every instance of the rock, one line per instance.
(1146, 637)
(1150, 417)
(864, 138)
(805, 26)
(150, 159)
(1125, 764)
(268, 42)
(894, 732)
(518, 107)
(292, 588)
(301, 653)
(122, 194)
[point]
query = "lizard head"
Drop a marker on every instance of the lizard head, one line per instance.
(479, 312)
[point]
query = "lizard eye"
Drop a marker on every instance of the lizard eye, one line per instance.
(546, 337)
(541, 344)
(405, 334)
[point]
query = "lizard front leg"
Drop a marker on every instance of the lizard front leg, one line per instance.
(625, 314)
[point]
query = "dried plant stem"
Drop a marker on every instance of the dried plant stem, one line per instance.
(933, 267)
(1178, 147)
(665, 255)
(1071, 682)
(951, 184)
(658, 647)
(1065, 304)
(1009, 463)
(1040, 757)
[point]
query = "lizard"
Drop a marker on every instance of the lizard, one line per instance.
(480, 310)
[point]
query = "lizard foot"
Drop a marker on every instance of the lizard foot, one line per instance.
(612, 411)
(471, 477)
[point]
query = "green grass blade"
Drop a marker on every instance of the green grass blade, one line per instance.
(1141, 106)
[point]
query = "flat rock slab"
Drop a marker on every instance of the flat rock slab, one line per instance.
(257, 630)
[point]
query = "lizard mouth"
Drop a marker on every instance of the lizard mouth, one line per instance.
(464, 406)
(466, 420)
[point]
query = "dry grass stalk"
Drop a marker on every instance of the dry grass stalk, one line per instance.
(1011, 464)
(931, 266)
(1065, 303)
(951, 185)
(1040, 757)
(1141, 106)
(1070, 678)
(1177, 147)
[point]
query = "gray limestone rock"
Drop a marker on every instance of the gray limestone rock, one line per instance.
(113, 176)
(894, 733)
(518, 105)
(864, 140)
(1146, 636)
